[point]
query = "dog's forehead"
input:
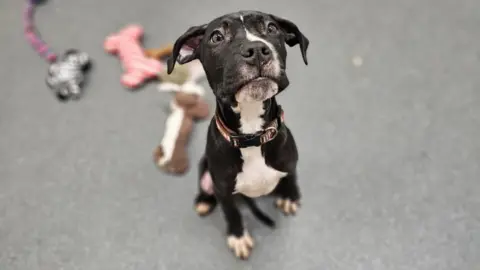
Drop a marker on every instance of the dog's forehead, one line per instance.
(244, 18)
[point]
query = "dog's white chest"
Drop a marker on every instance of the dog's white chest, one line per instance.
(256, 178)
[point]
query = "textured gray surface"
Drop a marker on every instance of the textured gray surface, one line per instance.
(389, 160)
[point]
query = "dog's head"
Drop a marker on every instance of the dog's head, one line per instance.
(243, 54)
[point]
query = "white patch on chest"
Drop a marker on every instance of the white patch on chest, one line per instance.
(256, 178)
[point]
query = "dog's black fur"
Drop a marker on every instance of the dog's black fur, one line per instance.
(226, 54)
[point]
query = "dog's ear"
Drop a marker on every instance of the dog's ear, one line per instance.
(293, 36)
(191, 40)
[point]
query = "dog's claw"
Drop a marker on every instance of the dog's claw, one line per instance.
(241, 246)
(287, 206)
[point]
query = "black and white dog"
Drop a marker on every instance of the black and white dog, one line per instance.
(249, 151)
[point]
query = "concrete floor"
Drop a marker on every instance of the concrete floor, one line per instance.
(389, 161)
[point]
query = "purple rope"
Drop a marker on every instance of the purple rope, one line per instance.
(35, 41)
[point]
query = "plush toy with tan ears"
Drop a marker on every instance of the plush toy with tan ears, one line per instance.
(179, 75)
(187, 106)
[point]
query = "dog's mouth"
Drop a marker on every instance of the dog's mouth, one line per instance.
(258, 89)
(255, 80)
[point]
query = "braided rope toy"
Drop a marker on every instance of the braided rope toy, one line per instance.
(66, 75)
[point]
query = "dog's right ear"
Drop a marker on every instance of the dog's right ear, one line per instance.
(191, 39)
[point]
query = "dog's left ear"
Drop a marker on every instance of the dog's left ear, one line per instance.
(293, 36)
(190, 39)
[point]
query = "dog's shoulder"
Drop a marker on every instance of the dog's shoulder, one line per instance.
(282, 153)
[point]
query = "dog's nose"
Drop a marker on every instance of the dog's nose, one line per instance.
(256, 51)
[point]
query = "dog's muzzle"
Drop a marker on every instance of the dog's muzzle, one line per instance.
(259, 89)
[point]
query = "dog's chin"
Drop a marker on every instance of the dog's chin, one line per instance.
(259, 89)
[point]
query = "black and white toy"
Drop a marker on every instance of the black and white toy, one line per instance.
(66, 76)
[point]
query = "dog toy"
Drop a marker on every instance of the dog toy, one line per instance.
(178, 76)
(187, 106)
(160, 53)
(181, 74)
(138, 68)
(66, 76)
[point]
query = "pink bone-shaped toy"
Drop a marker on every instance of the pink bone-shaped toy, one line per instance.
(138, 68)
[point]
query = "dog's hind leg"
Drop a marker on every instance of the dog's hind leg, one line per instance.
(205, 200)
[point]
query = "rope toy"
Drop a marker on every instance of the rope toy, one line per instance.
(66, 74)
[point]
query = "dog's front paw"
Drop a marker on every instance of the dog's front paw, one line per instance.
(287, 206)
(241, 246)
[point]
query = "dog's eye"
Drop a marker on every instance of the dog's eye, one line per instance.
(216, 37)
(272, 28)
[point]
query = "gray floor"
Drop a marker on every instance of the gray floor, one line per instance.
(390, 150)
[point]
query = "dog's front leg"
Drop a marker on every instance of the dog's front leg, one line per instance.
(288, 193)
(238, 239)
